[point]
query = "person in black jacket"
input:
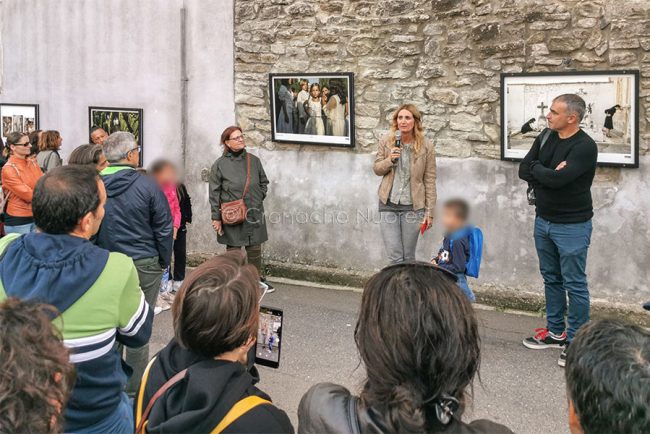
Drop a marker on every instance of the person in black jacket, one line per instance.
(204, 367)
(180, 243)
(418, 337)
(561, 173)
(138, 223)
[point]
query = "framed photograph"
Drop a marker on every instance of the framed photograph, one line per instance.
(18, 117)
(113, 119)
(611, 118)
(313, 109)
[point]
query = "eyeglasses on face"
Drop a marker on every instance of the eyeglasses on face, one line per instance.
(26, 145)
(237, 139)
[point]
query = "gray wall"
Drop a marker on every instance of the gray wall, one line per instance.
(69, 55)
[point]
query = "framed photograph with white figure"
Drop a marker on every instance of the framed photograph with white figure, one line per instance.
(611, 116)
(312, 108)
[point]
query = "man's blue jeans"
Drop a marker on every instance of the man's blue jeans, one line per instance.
(562, 252)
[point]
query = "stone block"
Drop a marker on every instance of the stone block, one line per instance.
(485, 32)
(480, 96)
(586, 23)
(539, 50)
(621, 58)
(465, 122)
(446, 96)
(563, 44)
(366, 122)
(301, 9)
(492, 132)
(430, 70)
(624, 44)
(602, 48)
(589, 9)
(458, 148)
(332, 7)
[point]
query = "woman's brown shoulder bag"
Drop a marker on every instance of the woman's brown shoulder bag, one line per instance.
(234, 213)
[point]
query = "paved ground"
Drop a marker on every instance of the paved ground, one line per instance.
(520, 388)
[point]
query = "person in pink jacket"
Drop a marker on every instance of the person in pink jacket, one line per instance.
(165, 174)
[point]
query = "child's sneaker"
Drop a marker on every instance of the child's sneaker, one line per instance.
(176, 286)
(266, 286)
(168, 297)
(545, 339)
(161, 305)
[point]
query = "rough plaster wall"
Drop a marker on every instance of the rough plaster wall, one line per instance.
(446, 56)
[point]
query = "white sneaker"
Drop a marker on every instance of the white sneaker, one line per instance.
(157, 310)
(168, 297)
(161, 305)
(176, 286)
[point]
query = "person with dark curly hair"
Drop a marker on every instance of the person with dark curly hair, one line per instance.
(35, 375)
(418, 338)
(608, 379)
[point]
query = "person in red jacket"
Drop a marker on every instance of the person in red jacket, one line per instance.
(19, 177)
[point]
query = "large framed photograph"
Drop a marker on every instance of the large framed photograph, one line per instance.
(611, 118)
(18, 117)
(113, 119)
(312, 108)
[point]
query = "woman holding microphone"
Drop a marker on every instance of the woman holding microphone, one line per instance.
(406, 161)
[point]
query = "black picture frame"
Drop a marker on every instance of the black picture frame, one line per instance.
(343, 80)
(25, 112)
(113, 119)
(595, 88)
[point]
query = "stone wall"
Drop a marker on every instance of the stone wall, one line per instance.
(446, 57)
(443, 55)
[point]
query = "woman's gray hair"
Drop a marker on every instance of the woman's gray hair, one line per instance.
(118, 145)
(574, 104)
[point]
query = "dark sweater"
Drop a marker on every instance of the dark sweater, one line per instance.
(563, 196)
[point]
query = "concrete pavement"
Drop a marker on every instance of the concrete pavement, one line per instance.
(522, 389)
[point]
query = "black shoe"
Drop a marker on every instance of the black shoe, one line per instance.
(545, 339)
(562, 360)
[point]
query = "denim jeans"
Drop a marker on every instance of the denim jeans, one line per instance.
(462, 282)
(150, 274)
(120, 422)
(562, 252)
(20, 229)
(400, 231)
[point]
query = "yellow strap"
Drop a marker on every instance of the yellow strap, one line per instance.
(143, 384)
(238, 410)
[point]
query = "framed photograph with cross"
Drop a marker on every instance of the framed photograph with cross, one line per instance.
(611, 114)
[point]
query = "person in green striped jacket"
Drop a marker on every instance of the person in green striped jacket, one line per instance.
(96, 292)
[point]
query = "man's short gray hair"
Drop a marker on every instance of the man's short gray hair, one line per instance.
(574, 104)
(118, 145)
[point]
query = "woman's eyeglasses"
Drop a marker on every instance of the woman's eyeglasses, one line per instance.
(237, 139)
(26, 145)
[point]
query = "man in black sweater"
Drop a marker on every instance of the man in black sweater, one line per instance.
(561, 170)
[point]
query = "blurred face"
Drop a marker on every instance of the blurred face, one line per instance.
(98, 137)
(304, 86)
(102, 164)
(450, 220)
(133, 156)
(405, 121)
(315, 92)
(168, 175)
(23, 148)
(236, 141)
(326, 91)
(559, 118)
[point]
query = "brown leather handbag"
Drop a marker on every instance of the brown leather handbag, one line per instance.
(234, 213)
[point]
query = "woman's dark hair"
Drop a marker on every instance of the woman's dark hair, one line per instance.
(418, 337)
(35, 375)
(63, 196)
(159, 165)
(34, 140)
(14, 137)
(217, 307)
(50, 141)
(89, 154)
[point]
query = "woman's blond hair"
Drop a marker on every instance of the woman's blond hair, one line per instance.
(418, 132)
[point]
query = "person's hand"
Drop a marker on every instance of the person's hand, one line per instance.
(561, 166)
(395, 154)
(216, 225)
(434, 261)
(175, 233)
(428, 220)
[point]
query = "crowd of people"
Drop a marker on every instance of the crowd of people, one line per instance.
(96, 247)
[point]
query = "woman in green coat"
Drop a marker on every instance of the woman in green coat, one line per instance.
(227, 184)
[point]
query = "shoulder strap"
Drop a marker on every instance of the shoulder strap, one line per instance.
(160, 392)
(248, 174)
(547, 132)
(47, 160)
(238, 410)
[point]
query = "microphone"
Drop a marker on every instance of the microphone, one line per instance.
(398, 141)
